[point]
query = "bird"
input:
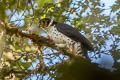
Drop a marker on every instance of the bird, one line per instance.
(66, 36)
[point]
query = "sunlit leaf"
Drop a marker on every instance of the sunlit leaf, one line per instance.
(43, 2)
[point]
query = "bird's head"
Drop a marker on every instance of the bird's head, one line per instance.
(44, 23)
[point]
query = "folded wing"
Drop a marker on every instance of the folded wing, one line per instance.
(74, 34)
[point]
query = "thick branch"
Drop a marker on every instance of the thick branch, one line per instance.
(38, 40)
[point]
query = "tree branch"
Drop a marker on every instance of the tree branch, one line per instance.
(38, 40)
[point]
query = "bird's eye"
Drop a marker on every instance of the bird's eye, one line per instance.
(42, 23)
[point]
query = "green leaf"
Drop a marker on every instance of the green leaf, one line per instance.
(43, 2)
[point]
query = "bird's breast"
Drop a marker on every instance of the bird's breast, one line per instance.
(57, 36)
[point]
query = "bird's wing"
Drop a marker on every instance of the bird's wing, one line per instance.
(74, 34)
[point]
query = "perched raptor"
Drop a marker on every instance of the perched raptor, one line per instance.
(66, 36)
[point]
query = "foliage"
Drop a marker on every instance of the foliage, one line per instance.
(26, 54)
(81, 69)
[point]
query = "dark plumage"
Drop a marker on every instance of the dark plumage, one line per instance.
(74, 34)
(67, 32)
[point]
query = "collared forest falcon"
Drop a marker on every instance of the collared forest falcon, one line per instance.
(66, 36)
